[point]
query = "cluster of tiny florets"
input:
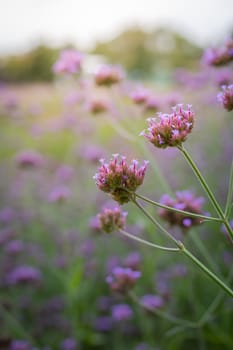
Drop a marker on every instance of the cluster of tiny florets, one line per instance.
(225, 97)
(112, 219)
(220, 56)
(69, 62)
(170, 129)
(119, 179)
(108, 75)
(122, 280)
(184, 200)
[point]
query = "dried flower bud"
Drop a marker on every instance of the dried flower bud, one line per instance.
(120, 179)
(170, 130)
(185, 200)
(226, 97)
(112, 219)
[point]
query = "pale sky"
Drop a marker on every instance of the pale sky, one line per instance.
(23, 23)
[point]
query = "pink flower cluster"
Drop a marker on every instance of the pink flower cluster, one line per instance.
(112, 219)
(120, 179)
(29, 159)
(123, 279)
(68, 62)
(219, 57)
(108, 75)
(185, 200)
(226, 97)
(170, 129)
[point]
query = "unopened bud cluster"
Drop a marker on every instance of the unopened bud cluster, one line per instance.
(119, 179)
(184, 200)
(112, 219)
(170, 130)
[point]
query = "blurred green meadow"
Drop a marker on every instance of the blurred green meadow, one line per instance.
(48, 207)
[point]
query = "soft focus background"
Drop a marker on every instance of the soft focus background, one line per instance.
(54, 260)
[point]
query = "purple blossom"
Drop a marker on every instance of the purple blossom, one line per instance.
(14, 247)
(29, 159)
(184, 200)
(103, 323)
(122, 279)
(140, 95)
(226, 97)
(20, 345)
(108, 75)
(170, 129)
(133, 261)
(68, 62)
(24, 274)
(112, 219)
(122, 312)
(69, 344)
(59, 194)
(152, 302)
(219, 56)
(97, 106)
(120, 179)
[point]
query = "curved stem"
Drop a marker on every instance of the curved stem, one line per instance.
(207, 189)
(157, 224)
(229, 194)
(127, 234)
(207, 218)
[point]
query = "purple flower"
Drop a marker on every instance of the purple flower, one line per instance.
(24, 274)
(152, 302)
(185, 200)
(170, 129)
(122, 279)
(59, 194)
(108, 75)
(69, 344)
(226, 97)
(97, 106)
(122, 312)
(68, 62)
(112, 219)
(140, 95)
(29, 159)
(103, 323)
(20, 345)
(14, 247)
(120, 179)
(219, 56)
(133, 261)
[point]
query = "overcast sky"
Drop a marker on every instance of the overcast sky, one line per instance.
(26, 22)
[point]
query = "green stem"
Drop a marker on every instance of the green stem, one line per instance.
(229, 194)
(207, 271)
(157, 224)
(182, 248)
(199, 216)
(207, 189)
(127, 234)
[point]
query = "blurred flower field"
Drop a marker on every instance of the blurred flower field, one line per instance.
(64, 283)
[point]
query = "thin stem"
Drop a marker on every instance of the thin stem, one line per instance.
(207, 189)
(207, 271)
(229, 194)
(157, 224)
(127, 234)
(207, 218)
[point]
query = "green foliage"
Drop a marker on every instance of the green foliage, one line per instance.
(144, 54)
(35, 65)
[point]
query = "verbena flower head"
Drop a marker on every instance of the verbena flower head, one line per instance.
(29, 159)
(24, 274)
(97, 106)
(170, 130)
(122, 280)
(122, 312)
(59, 194)
(219, 56)
(112, 219)
(68, 62)
(140, 95)
(187, 201)
(119, 179)
(152, 301)
(226, 97)
(108, 75)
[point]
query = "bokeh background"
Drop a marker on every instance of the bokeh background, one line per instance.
(54, 259)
